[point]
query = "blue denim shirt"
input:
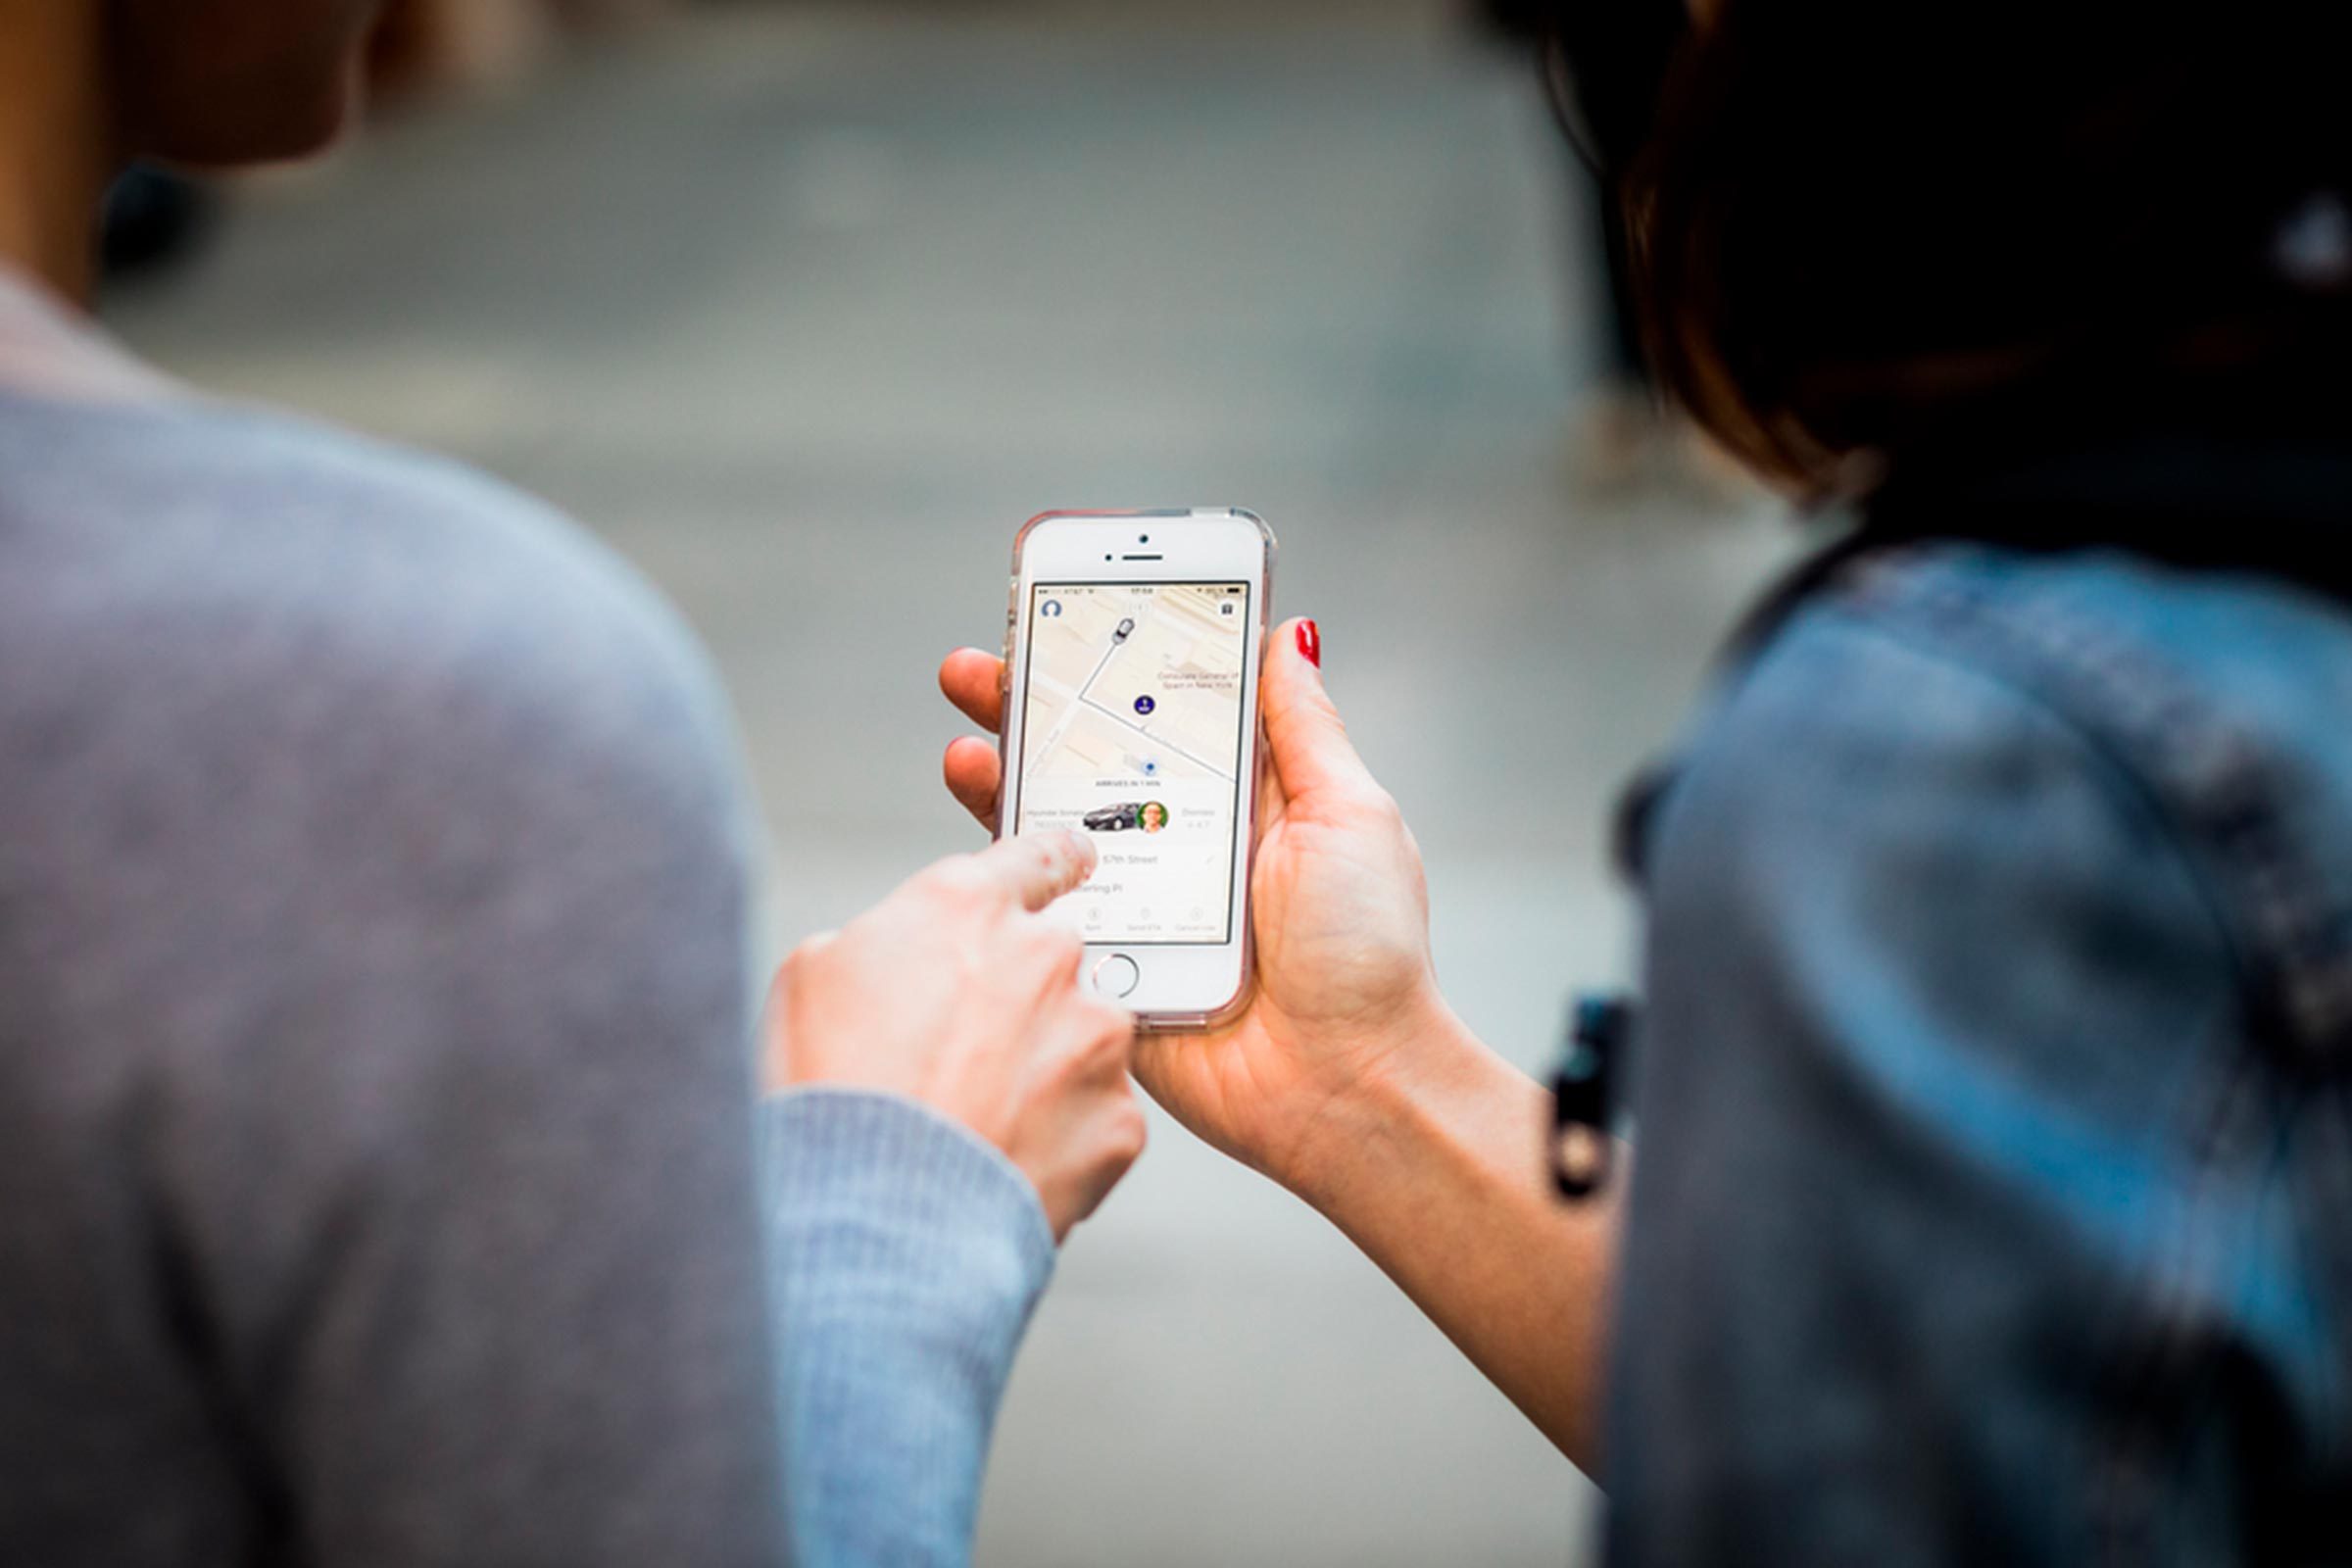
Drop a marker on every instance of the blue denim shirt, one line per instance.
(1994, 1201)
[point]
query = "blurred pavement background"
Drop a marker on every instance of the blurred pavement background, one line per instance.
(805, 308)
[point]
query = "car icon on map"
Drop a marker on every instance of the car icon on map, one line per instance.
(1150, 815)
(1125, 631)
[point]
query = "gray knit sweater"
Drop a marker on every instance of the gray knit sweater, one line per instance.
(379, 1167)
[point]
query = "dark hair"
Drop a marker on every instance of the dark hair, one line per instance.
(1868, 225)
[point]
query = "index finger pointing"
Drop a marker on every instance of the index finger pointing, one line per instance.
(1040, 868)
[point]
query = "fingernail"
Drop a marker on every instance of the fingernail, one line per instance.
(1310, 643)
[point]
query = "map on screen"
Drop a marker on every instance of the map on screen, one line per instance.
(1133, 732)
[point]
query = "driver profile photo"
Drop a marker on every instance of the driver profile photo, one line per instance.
(1154, 817)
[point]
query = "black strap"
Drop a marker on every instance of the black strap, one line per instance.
(1583, 1095)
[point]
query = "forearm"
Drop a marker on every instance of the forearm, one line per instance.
(1438, 1176)
(908, 1257)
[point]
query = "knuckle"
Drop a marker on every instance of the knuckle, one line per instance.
(963, 885)
(1107, 1022)
(1106, 1045)
(1130, 1132)
(1051, 949)
(959, 875)
(1374, 807)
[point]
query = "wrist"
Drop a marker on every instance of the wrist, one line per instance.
(1390, 1113)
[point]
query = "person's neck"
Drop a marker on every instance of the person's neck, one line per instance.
(56, 145)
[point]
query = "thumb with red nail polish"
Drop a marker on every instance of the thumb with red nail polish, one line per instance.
(1312, 751)
(1340, 911)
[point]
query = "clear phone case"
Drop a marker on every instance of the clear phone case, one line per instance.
(1172, 1022)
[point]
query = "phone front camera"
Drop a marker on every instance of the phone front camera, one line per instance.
(1147, 539)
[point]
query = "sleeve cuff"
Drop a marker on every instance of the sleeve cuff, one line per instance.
(881, 1204)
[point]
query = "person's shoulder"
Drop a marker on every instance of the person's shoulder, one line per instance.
(234, 587)
(1924, 835)
(2145, 662)
(1860, 711)
(2089, 731)
(2184, 679)
(1882, 741)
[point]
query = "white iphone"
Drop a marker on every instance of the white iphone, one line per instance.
(1133, 642)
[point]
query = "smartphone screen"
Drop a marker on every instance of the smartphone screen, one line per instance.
(1135, 732)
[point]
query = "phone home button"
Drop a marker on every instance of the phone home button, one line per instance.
(1116, 976)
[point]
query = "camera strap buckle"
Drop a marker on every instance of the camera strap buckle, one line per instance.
(1582, 1153)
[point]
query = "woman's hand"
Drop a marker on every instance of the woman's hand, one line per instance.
(954, 993)
(1346, 991)
(1353, 1084)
